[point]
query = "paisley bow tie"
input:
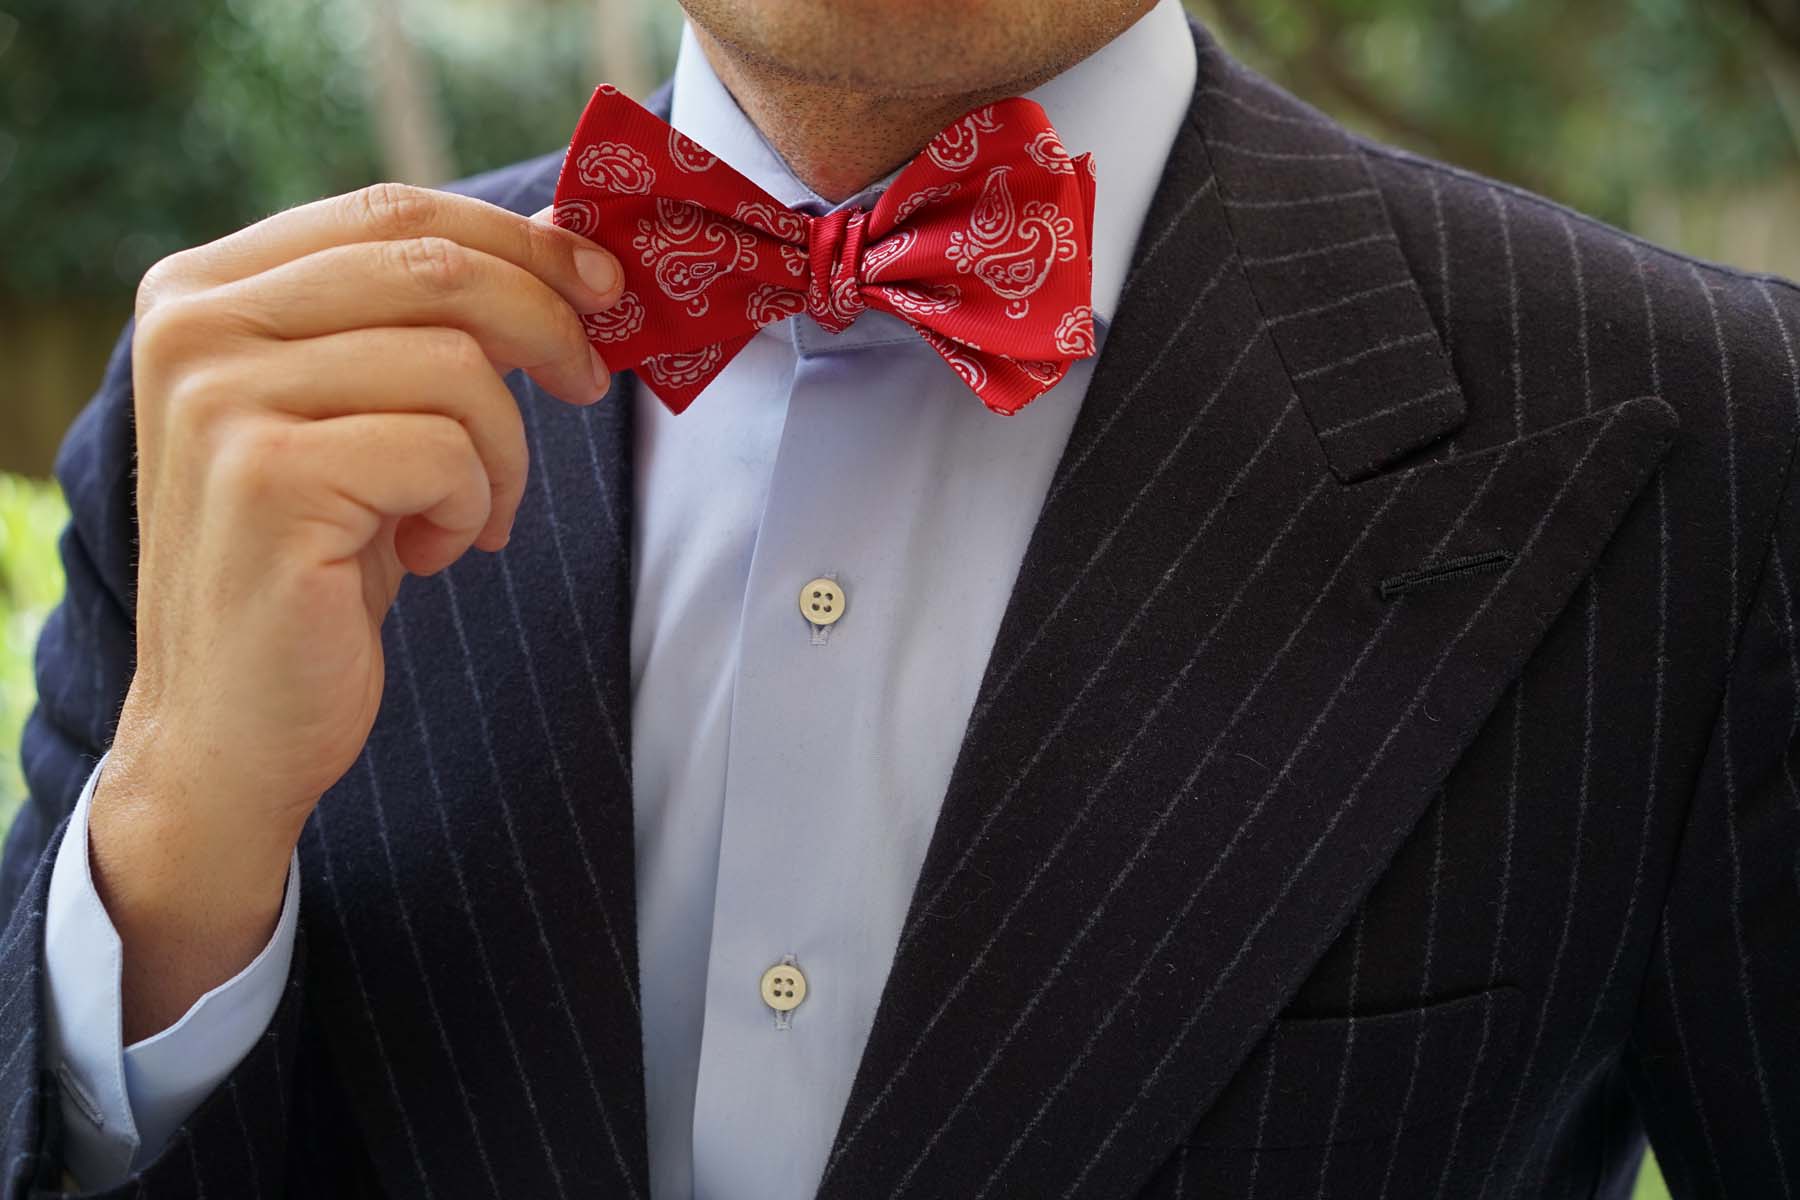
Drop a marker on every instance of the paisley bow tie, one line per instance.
(981, 244)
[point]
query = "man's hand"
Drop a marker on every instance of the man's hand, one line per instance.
(319, 411)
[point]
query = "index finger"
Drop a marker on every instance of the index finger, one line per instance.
(584, 274)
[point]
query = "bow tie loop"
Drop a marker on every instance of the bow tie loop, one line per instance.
(834, 256)
(981, 244)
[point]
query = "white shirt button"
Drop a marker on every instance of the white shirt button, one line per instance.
(822, 601)
(783, 987)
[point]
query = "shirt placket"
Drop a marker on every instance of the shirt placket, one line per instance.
(788, 995)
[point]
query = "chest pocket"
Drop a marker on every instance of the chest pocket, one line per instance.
(1287, 1094)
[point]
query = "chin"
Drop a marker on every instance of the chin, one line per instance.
(914, 47)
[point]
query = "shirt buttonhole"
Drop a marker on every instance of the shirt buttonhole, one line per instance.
(822, 633)
(784, 1017)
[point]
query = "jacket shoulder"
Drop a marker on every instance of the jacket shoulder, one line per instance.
(1548, 312)
(1563, 261)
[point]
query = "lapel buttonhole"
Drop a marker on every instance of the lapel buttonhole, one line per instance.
(1444, 571)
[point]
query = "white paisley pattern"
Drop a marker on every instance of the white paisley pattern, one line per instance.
(1075, 332)
(926, 300)
(770, 302)
(688, 154)
(783, 223)
(577, 216)
(684, 368)
(965, 365)
(957, 146)
(924, 196)
(617, 168)
(687, 249)
(1046, 150)
(1009, 250)
(835, 307)
(617, 323)
(1041, 373)
(882, 254)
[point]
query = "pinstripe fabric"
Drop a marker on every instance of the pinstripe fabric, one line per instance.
(1248, 881)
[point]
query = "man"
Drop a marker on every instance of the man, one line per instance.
(1336, 740)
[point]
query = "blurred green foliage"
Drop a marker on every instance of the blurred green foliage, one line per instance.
(31, 581)
(130, 130)
(1650, 1183)
(1602, 104)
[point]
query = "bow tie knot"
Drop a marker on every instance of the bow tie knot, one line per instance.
(981, 244)
(834, 250)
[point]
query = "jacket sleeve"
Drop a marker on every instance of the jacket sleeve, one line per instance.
(234, 1142)
(1713, 1061)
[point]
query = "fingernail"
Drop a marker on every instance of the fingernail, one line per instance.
(597, 270)
(602, 377)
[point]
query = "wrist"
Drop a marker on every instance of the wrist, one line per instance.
(192, 883)
(158, 841)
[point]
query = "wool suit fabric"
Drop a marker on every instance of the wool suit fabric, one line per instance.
(1383, 783)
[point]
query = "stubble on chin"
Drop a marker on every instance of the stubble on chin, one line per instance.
(913, 50)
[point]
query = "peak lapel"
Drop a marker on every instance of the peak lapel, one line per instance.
(1198, 740)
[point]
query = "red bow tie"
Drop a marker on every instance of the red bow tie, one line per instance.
(981, 244)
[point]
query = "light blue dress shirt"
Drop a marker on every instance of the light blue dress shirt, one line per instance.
(787, 776)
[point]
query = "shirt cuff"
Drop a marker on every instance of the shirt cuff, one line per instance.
(120, 1104)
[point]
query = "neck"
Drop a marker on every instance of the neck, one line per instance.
(837, 140)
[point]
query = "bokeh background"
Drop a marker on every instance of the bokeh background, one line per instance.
(130, 130)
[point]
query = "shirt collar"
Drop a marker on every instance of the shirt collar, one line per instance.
(1124, 104)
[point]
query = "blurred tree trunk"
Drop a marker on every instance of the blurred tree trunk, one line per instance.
(618, 52)
(51, 359)
(1782, 19)
(409, 126)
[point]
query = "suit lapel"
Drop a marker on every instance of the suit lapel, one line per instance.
(1200, 735)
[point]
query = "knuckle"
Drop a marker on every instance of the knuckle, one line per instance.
(444, 441)
(434, 264)
(160, 282)
(195, 397)
(169, 331)
(395, 210)
(547, 247)
(446, 437)
(456, 351)
(246, 465)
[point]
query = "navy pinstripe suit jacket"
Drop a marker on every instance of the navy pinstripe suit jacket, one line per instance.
(1383, 783)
